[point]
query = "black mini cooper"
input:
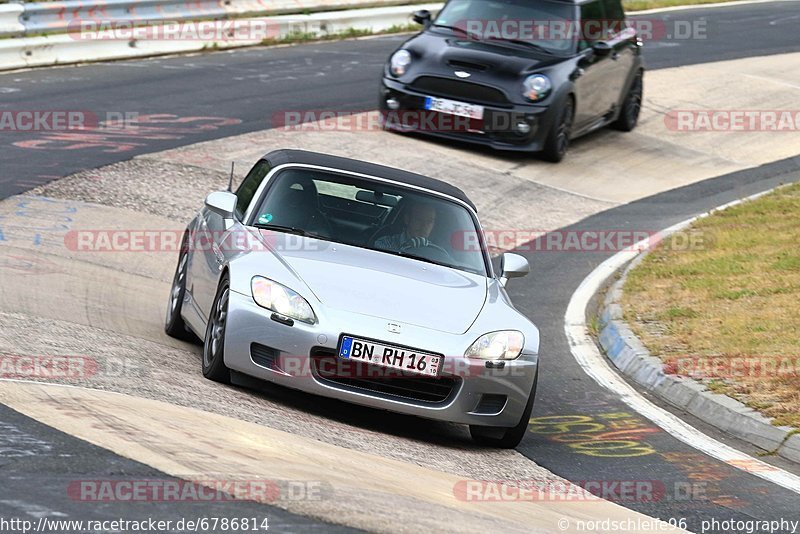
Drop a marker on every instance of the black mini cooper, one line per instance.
(526, 75)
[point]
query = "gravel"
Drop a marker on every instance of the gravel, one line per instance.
(141, 184)
(143, 368)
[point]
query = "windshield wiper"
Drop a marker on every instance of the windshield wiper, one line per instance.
(279, 228)
(457, 29)
(522, 42)
(415, 257)
(423, 258)
(428, 260)
(289, 230)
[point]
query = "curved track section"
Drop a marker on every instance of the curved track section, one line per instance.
(208, 96)
(105, 305)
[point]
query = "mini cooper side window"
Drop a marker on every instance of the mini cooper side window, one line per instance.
(249, 186)
(613, 9)
(615, 16)
(592, 24)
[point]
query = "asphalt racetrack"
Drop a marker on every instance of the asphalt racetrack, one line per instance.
(219, 95)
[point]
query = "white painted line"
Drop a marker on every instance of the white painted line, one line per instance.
(772, 80)
(585, 351)
(611, 203)
(33, 509)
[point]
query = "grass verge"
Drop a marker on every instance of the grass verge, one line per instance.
(727, 312)
(632, 6)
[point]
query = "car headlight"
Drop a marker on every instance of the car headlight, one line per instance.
(502, 345)
(400, 62)
(536, 87)
(281, 299)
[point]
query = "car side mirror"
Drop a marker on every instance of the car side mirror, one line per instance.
(423, 16)
(223, 203)
(513, 266)
(601, 49)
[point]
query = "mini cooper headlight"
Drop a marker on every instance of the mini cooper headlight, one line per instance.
(280, 299)
(502, 345)
(536, 87)
(400, 62)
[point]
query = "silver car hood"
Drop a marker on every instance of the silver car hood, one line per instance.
(382, 285)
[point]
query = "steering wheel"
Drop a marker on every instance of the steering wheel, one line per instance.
(447, 258)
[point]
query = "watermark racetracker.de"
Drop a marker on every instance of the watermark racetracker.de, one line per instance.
(67, 368)
(734, 367)
(620, 491)
(495, 240)
(733, 120)
(28, 120)
(198, 488)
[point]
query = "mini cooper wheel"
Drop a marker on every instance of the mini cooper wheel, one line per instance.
(506, 437)
(174, 324)
(557, 141)
(629, 114)
(214, 344)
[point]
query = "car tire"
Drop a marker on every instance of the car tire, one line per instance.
(557, 141)
(385, 124)
(629, 114)
(506, 437)
(174, 324)
(214, 343)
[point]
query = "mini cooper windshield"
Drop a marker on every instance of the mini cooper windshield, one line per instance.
(544, 25)
(371, 214)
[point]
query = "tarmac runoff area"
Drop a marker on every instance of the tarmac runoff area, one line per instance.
(199, 445)
(108, 307)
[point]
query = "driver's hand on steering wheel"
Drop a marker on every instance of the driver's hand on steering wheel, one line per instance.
(415, 242)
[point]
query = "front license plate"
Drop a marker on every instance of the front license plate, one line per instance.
(390, 357)
(454, 107)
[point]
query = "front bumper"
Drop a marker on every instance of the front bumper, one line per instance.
(469, 392)
(497, 130)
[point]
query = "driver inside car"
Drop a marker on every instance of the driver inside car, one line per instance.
(419, 221)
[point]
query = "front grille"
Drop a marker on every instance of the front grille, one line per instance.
(263, 355)
(470, 92)
(359, 376)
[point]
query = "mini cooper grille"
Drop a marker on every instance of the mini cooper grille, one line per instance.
(469, 92)
(361, 376)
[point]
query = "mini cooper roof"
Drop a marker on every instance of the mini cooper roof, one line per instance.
(286, 156)
(568, 2)
(573, 2)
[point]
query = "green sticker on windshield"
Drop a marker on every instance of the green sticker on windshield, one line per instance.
(265, 218)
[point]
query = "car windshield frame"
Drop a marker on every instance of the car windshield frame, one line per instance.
(272, 178)
(569, 8)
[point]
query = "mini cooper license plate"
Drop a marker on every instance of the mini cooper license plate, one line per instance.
(454, 107)
(390, 356)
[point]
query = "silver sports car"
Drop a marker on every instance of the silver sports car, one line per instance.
(359, 282)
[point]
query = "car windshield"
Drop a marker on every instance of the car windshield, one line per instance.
(539, 24)
(374, 215)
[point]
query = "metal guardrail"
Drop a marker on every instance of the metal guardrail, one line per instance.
(22, 19)
(65, 48)
(10, 19)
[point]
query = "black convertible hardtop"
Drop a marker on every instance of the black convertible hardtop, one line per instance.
(284, 156)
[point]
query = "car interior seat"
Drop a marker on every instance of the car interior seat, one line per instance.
(394, 224)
